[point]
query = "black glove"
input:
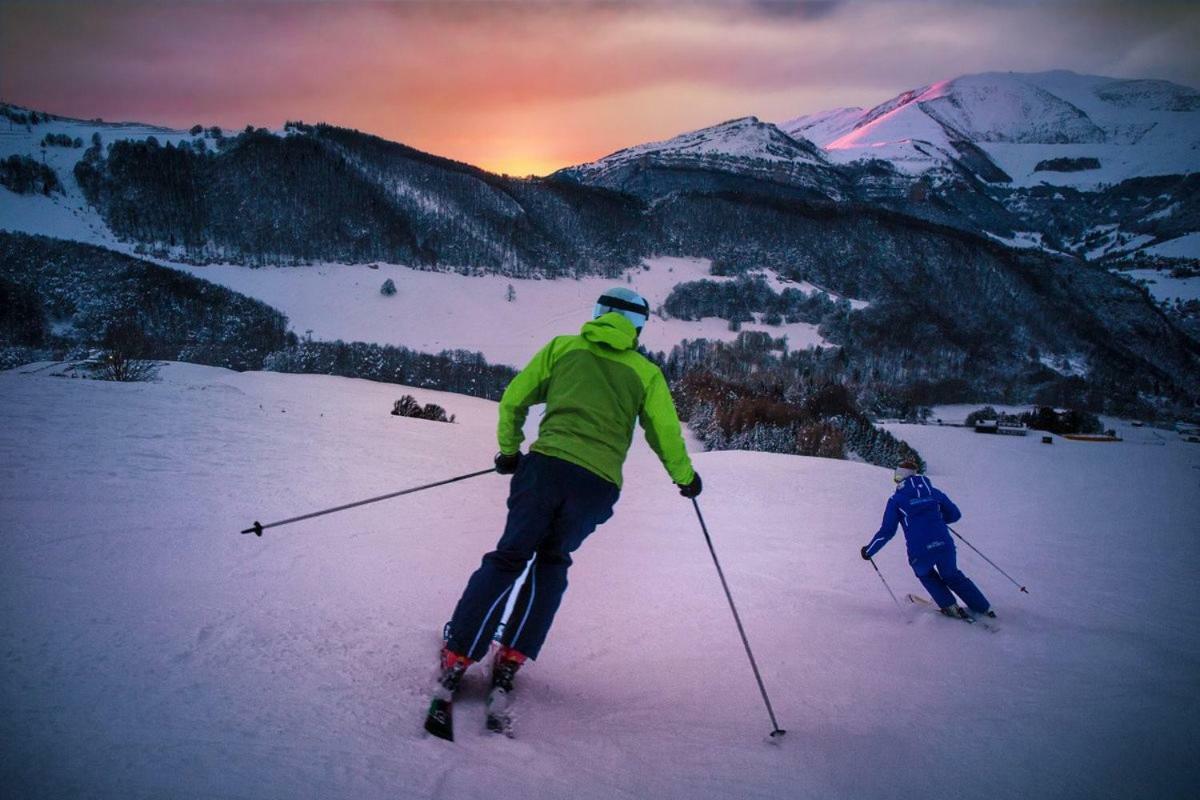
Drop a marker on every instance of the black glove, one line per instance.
(506, 463)
(690, 490)
(863, 552)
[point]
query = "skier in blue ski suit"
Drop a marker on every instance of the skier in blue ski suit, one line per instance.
(924, 512)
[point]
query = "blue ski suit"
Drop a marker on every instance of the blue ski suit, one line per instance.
(924, 512)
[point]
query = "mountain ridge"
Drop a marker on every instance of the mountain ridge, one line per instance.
(1051, 108)
(929, 255)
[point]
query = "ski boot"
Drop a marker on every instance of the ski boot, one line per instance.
(504, 671)
(957, 612)
(439, 720)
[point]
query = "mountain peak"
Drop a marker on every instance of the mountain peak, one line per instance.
(1020, 120)
(742, 138)
(745, 147)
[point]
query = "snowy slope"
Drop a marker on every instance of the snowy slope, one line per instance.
(1164, 287)
(743, 138)
(435, 311)
(152, 651)
(824, 126)
(1187, 246)
(65, 215)
(1132, 127)
(744, 146)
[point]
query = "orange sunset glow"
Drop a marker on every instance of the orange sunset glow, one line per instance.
(529, 87)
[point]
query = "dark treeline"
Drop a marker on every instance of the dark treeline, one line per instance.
(740, 300)
(327, 194)
(470, 218)
(1042, 418)
(61, 140)
(459, 371)
(1163, 206)
(756, 394)
(69, 297)
(23, 175)
(261, 198)
(751, 395)
(20, 116)
(61, 299)
(900, 353)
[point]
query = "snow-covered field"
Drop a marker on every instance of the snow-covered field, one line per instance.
(1163, 287)
(434, 311)
(1187, 246)
(150, 650)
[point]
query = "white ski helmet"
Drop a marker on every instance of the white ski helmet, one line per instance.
(625, 302)
(904, 470)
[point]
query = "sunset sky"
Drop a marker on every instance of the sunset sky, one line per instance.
(527, 86)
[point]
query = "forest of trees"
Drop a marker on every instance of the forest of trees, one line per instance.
(460, 371)
(98, 299)
(68, 297)
(741, 299)
(333, 194)
(23, 175)
(752, 393)
(232, 203)
(61, 140)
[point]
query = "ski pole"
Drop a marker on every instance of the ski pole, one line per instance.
(776, 731)
(985, 558)
(257, 528)
(885, 585)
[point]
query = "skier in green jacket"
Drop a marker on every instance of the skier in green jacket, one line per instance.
(595, 386)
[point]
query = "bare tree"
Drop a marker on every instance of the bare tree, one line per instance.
(123, 359)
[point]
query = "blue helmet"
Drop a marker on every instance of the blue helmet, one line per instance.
(625, 302)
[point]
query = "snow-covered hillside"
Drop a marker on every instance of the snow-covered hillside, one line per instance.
(743, 138)
(1023, 122)
(149, 650)
(434, 311)
(66, 214)
(744, 146)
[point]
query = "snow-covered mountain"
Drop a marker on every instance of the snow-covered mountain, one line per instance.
(745, 138)
(744, 147)
(744, 197)
(1053, 127)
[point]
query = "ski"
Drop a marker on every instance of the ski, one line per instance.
(439, 720)
(499, 716)
(925, 602)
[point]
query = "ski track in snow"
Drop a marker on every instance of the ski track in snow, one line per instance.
(149, 650)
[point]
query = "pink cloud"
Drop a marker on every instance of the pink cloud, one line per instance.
(573, 80)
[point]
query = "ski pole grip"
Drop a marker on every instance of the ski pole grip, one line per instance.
(256, 529)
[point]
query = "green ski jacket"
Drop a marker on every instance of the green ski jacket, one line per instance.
(594, 386)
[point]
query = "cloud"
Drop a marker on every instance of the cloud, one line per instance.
(786, 9)
(489, 81)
